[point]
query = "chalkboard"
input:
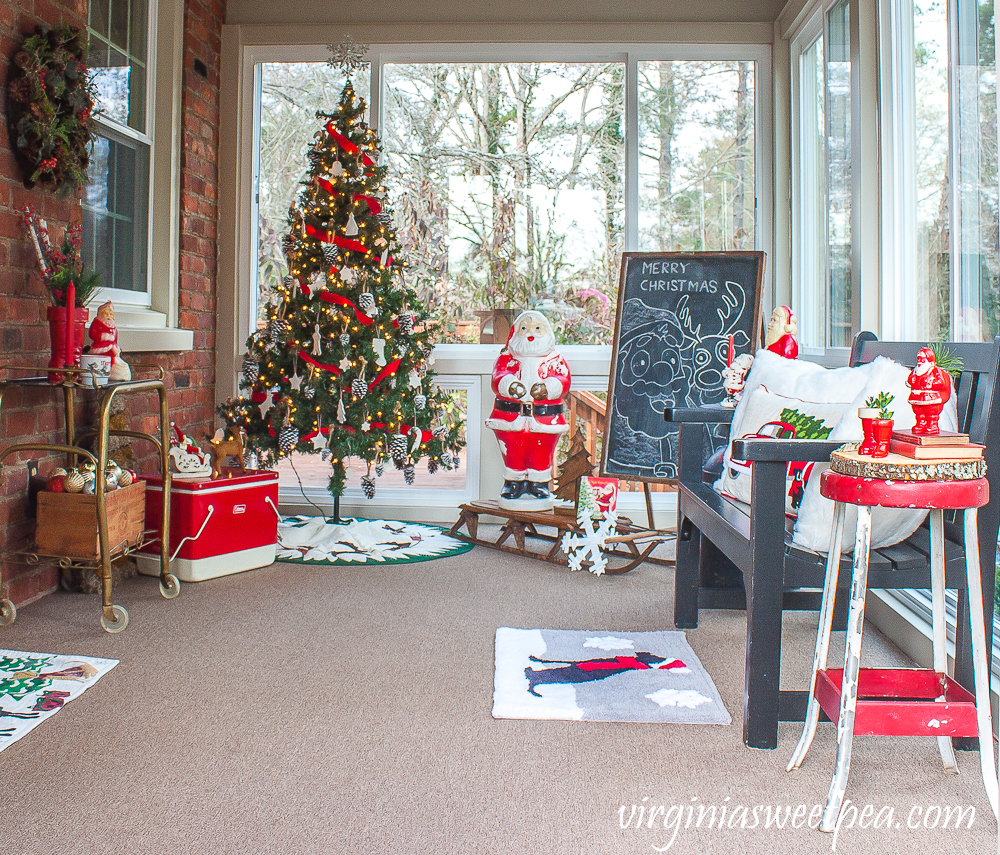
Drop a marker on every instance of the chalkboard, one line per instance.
(676, 311)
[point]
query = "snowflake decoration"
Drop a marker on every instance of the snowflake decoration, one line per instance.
(588, 543)
(348, 55)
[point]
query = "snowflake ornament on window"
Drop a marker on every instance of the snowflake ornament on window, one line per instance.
(348, 56)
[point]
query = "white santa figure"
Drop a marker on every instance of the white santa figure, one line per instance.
(530, 379)
(104, 337)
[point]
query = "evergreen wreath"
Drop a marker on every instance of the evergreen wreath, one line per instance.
(51, 107)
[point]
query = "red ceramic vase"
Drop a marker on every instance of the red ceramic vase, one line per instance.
(882, 433)
(66, 353)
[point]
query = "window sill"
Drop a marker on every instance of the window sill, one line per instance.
(479, 358)
(146, 339)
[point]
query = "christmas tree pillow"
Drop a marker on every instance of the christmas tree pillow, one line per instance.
(765, 413)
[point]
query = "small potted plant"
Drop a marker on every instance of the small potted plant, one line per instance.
(878, 430)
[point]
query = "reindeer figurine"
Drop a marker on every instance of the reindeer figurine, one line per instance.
(222, 447)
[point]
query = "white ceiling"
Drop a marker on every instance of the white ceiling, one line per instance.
(500, 11)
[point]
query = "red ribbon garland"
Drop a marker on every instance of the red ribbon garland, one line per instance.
(341, 300)
(333, 369)
(373, 204)
(343, 243)
(385, 372)
(425, 436)
(346, 144)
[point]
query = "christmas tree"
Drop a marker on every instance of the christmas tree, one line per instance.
(342, 365)
(576, 465)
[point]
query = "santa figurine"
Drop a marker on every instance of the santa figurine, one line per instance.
(930, 387)
(781, 332)
(530, 379)
(104, 335)
(734, 378)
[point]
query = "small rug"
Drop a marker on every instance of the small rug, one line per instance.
(35, 686)
(574, 675)
(313, 540)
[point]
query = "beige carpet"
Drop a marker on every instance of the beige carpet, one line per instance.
(347, 710)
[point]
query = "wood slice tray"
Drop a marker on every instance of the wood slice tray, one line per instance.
(896, 467)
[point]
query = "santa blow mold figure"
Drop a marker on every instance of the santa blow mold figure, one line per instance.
(930, 387)
(530, 379)
(781, 331)
(104, 335)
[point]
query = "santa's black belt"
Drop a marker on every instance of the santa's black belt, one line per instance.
(506, 406)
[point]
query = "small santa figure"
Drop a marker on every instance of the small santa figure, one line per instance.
(734, 378)
(530, 379)
(104, 335)
(781, 332)
(930, 387)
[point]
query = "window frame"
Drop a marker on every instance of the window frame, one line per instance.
(148, 321)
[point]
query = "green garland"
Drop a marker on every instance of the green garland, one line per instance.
(51, 108)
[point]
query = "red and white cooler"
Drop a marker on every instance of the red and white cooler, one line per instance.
(216, 527)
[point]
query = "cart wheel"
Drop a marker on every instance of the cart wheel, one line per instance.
(8, 612)
(120, 621)
(170, 587)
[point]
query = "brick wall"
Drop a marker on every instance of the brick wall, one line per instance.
(190, 375)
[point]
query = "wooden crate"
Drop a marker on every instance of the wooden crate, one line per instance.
(67, 522)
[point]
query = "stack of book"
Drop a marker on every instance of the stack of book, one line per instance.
(937, 446)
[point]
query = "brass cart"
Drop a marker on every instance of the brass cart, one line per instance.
(114, 618)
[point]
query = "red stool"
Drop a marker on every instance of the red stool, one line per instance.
(899, 702)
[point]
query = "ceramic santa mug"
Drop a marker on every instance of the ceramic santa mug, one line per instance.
(96, 369)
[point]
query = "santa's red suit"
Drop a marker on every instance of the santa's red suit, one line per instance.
(930, 387)
(105, 339)
(530, 379)
(786, 346)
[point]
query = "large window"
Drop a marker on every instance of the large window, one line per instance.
(116, 197)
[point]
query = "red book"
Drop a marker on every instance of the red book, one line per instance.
(944, 437)
(969, 451)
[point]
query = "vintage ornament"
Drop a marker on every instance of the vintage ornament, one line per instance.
(73, 482)
(351, 229)
(56, 484)
(420, 401)
(287, 438)
(57, 471)
(368, 485)
(110, 482)
(88, 466)
(378, 345)
(89, 486)
(319, 441)
(126, 478)
(398, 447)
(341, 410)
(317, 340)
(409, 473)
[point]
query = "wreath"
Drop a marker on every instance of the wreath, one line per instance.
(51, 108)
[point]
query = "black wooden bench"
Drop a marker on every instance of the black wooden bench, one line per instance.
(732, 558)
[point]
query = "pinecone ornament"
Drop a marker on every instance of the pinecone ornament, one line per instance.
(345, 339)
(432, 465)
(447, 460)
(315, 159)
(366, 302)
(289, 244)
(308, 392)
(420, 401)
(277, 329)
(398, 447)
(368, 485)
(380, 467)
(330, 253)
(358, 387)
(289, 282)
(287, 438)
(251, 370)
(405, 323)
(440, 432)
(408, 473)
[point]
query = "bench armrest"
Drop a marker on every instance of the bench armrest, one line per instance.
(769, 450)
(712, 414)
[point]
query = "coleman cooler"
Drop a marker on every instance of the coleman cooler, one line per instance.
(216, 527)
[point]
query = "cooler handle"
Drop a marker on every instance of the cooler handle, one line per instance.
(273, 508)
(211, 510)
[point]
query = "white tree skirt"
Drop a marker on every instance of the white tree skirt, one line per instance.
(314, 539)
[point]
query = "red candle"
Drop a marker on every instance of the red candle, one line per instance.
(731, 354)
(70, 307)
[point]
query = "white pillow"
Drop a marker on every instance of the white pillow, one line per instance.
(791, 378)
(809, 419)
(889, 525)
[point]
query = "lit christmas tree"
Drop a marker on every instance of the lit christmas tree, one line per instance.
(342, 365)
